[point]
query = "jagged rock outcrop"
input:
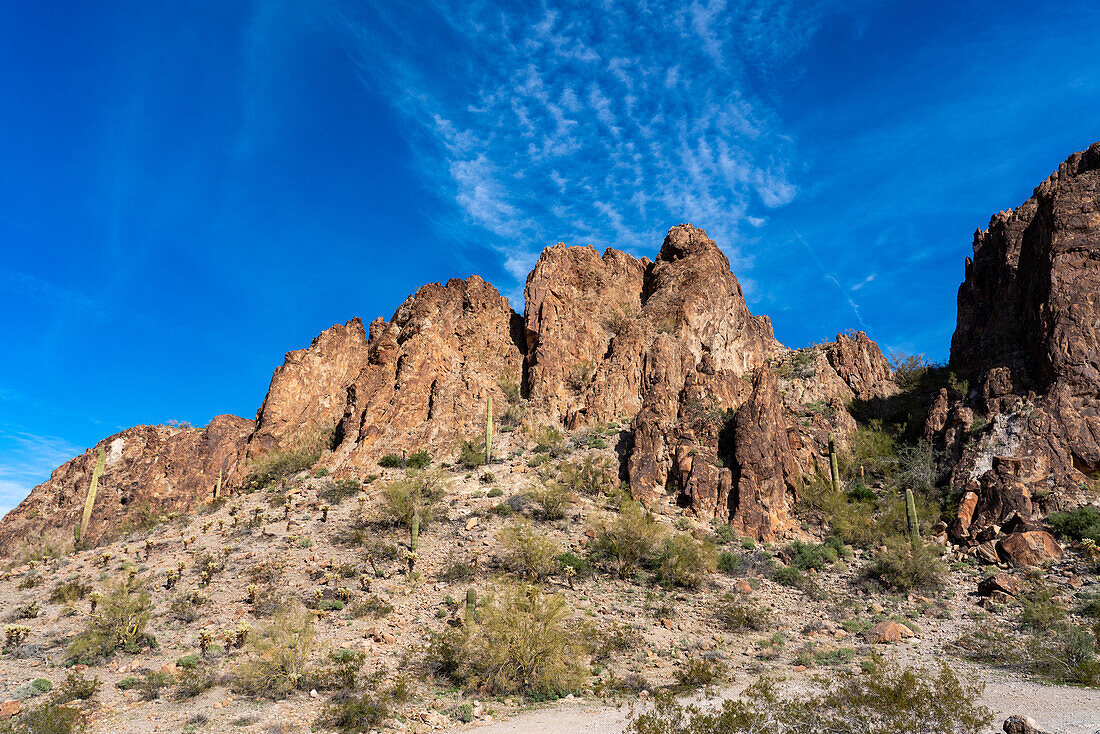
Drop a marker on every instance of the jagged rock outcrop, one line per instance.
(308, 392)
(148, 469)
(1028, 341)
(667, 347)
(765, 473)
(429, 373)
(576, 302)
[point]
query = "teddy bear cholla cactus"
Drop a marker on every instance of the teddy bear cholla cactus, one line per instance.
(16, 634)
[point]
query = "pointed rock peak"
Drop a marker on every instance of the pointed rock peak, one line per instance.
(684, 240)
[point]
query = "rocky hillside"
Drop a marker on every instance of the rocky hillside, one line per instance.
(1021, 427)
(666, 347)
(657, 509)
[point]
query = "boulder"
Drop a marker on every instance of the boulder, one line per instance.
(1022, 725)
(1005, 583)
(1031, 548)
(885, 632)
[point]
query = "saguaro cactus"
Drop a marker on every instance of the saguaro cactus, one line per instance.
(834, 470)
(471, 605)
(414, 532)
(489, 431)
(911, 517)
(89, 501)
(218, 486)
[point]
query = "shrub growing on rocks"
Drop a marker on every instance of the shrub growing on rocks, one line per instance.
(117, 624)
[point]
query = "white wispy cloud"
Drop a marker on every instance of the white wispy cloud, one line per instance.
(28, 461)
(602, 126)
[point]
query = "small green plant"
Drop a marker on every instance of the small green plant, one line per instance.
(529, 554)
(728, 563)
(684, 561)
(117, 624)
(1080, 524)
(281, 653)
(628, 540)
(154, 682)
(788, 576)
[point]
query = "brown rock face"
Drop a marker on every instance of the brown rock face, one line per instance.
(1029, 548)
(668, 347)
(429, 372)
(765, 472)
(309, 391)
(148, 468)
(576, 302)
(1028, 339)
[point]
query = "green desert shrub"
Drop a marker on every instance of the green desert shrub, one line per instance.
(352, 711)
(552, 499)
(807, 556)
(629, 540)
(1040, 609)
(527, 553)
(738, 613)
(77, 688)
(278, 464)
(685, 561)
(852, 521)
(280, 655)
(524, 642)
(1080, 524)
(592, 475)
(903, 566)
(418, 493)
(336, 492)
(48, 717)
(118, 623)
(415, 460)
(884, 700)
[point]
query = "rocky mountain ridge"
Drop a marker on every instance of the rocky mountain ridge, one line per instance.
(717, 416)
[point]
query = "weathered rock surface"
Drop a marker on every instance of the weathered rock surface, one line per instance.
(429, 373)
(885, 632)
(1029, 548)
(308, 392)
(1028, 341)
(667, 347)
(148, 469)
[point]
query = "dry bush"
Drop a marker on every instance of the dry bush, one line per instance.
(885, 700)
(685, 561)
(904, 566)
(281, 654)
(118, 623)
(278, 464)
(630, 539)
(552, 499)
(593, 475)
(417, 493)
(738, 612)
(527, 553)
(525, 642)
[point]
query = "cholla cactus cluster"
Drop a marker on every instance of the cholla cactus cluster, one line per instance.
(16, 634)
(171, 578)
(252, 591)
(205, 638)
(105, 557)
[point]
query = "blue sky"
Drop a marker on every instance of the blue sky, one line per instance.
(192, 189)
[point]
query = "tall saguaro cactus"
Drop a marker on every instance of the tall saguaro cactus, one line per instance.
(414, 532)
(489, 431)
(834, 470)
(911, 517)
(89, 501)
(218, 486)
